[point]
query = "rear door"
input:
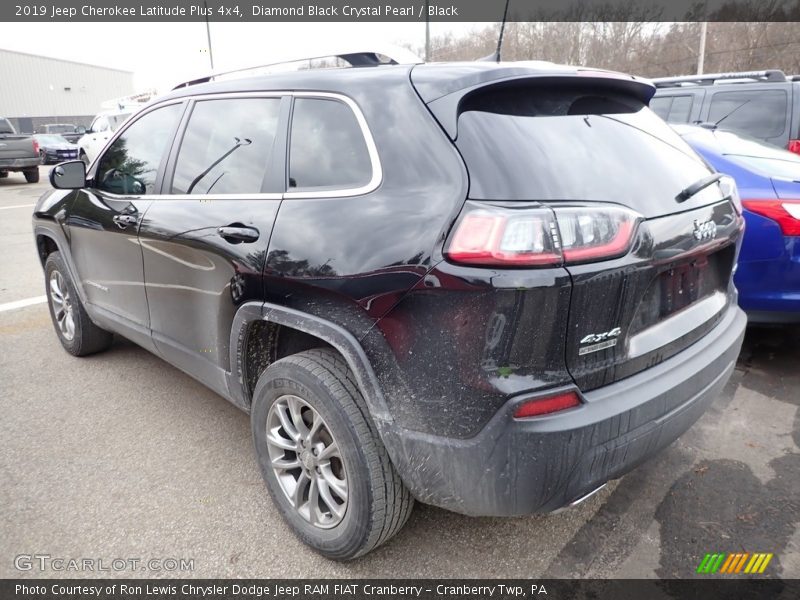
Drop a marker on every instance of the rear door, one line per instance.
(205, 238)
(105, 217)
(585, 152)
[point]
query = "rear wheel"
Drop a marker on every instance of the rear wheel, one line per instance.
(75, 330)
(322, 459)
(31, 175)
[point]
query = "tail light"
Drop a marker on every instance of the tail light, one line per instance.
(545, 406)
(794, 146)
(728, 186)
(784, 212)
(35, 147)
(541, 236)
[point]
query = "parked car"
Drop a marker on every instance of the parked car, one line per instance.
(55, 148)
(490, 287)
(18, 153)
(68, 131)
(760, 104)
(102, 128)
(768, 178)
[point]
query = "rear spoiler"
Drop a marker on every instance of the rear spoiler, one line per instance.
(447, 108)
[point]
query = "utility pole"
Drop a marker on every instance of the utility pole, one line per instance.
(427, 33)
(208, 35)
(701, 54)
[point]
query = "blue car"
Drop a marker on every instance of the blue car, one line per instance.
(768, 178)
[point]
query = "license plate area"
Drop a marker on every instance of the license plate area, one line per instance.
(678, 286)
(681, 285)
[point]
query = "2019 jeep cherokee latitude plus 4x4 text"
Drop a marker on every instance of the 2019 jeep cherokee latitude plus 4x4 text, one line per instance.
(489, 287)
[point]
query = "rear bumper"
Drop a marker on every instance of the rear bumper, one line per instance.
(517, 467)
(13, 164)
(768, 288)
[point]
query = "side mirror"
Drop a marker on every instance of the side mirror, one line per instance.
(70, 175)
(80, 129)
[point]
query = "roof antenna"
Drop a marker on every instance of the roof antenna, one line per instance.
(495, 56)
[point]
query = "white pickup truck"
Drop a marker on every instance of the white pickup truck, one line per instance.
(18, 153)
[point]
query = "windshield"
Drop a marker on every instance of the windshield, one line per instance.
(51, 139)
(575, 144)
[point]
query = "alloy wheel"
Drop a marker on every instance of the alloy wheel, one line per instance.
(62, 306)
(307, 462)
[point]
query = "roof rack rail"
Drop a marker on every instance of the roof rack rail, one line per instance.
(711, 78)
(355, 56)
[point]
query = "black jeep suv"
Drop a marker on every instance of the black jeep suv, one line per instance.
(488, 287)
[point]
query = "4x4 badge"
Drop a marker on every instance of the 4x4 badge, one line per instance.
(599, 341)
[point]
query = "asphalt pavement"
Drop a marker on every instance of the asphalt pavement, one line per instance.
(119, 456)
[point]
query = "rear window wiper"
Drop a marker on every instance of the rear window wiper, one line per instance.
(698, 185)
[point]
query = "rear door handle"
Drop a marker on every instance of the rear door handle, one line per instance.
(236, 233)
(123, 221)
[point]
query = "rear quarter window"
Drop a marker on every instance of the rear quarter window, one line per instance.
(327, 147)
(759, 113)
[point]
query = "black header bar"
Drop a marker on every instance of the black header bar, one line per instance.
(398, 10)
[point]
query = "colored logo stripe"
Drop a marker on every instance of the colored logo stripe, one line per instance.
(734, 563)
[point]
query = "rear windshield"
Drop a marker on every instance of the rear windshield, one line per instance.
(574, 144)
(5, 127)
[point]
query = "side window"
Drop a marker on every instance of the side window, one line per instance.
(681, 108)
(660, 105)
(227, 146)
(759, 113)
(673, 109)
(327, 147)
(130, 164)
(99, 124)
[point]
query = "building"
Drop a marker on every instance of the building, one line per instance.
(37, 90)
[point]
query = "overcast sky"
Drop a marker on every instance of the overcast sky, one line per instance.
(162, 54)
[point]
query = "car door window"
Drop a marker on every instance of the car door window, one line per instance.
(680, 109)
(759, 113)
(227, 146)
(660, 105)
(673, 109)
(130, 164)
(328, 149)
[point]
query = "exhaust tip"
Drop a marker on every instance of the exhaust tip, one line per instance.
(580, 500)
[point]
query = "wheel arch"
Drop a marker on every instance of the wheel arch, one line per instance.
(257, 318)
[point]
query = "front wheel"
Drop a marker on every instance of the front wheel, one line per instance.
(322, 459)
(74, 328)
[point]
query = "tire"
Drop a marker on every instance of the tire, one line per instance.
(82, 337)
(31, 175)
(320, 386)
